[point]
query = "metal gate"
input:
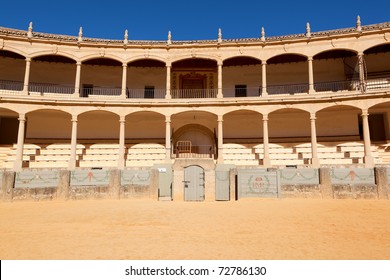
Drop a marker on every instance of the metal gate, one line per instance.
(222, 185)
(258, 183)
(193, 183)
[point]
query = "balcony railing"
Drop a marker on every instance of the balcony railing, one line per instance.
(43, 88)
(13, 87)
(194, 93)
(288, 89)
(100, 91)
(337, 86)
(146, 93)
(196, 151)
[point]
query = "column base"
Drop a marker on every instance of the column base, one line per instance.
(315, 163)
(266, 162)
(368, 161)
(72, 164)
(18, 166)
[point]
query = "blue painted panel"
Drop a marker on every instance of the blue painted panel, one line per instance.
(93, 177)
(36, 178)
(303, 176)
(135, 177)
(352, 176)
(257, 183)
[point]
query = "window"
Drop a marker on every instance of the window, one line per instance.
(240, 90)
(149, 92)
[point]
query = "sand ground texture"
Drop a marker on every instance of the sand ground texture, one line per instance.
(246, 229)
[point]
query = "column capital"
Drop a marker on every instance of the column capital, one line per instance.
(264, 62)
(313, 116)
(74, 118)
(124, 65)
(309, 58)
(168, 64)
(167, 119)
(360, 54)
(220, 63)
(122, 119)
(364, 112)
(220, 118)
(28, 59)
(265, 117)
(22, 117)
(78, 63)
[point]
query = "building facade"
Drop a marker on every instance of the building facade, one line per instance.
(307, 100)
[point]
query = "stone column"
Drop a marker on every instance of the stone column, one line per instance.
(27, 75)
(121, 152)
(368, 160)
(124, 80)
(362, 81)
(264, 78)
(314, 153)
(311, 75)
(220, 139)
(18, 164)
(168, 85)
(220, 94)
(168, 138)
(77, 80)
(266, 159)
(73, 144)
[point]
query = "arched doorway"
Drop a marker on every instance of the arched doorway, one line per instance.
(194, 183)
(194, 141)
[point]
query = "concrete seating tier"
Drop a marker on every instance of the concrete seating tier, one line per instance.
(239, 154)
(4, 152)
(100, 155)
(384, 153)
(145, 154)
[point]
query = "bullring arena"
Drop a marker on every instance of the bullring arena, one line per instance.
(259, 148)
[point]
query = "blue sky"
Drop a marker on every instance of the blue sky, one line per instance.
(188, 20)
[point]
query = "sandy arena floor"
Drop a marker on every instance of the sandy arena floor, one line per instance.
(245, 229)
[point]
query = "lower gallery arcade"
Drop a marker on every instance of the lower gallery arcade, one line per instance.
(240, 136)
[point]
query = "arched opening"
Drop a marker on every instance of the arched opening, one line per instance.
(194, 78)
(241, 77)
(145, 139)
(8, 127)
(101, 76)
(345, 71)
(379, 123)
(48, 127)
(287, 74)
(12, 68)
(98, 131)
(146, 78)
(376, 67)
(242, 133)
(47, 139)
(52, 74)
(194, 135)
